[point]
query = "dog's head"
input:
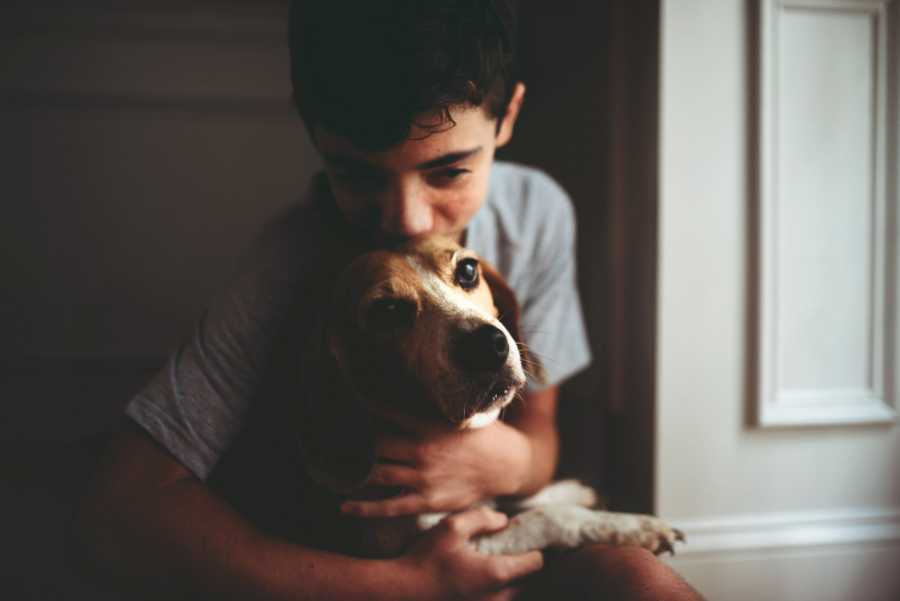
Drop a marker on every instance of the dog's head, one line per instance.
(426, 330)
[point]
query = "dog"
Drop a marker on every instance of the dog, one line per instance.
(430, 331)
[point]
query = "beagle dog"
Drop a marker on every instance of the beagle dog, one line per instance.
(430, 331)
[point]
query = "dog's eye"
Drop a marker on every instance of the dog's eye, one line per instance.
(467, 273)
(390, 314)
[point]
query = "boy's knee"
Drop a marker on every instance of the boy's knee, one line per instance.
(622, 573)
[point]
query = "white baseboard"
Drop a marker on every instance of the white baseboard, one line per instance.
(779, 532)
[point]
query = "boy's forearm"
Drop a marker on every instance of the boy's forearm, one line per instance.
(181, 539)
(544, 443)
(536, 419)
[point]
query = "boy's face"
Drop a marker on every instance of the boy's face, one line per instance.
(429, 184)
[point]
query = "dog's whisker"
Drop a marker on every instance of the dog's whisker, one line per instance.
(534, 368)
(528, 359)
(538, 358)
(529, 331)
(530, 373)
(520, 398)
(541, 357)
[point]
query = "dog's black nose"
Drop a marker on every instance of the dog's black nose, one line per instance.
(483, 349)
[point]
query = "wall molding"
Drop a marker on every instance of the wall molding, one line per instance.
(805, 396)
(774, 533)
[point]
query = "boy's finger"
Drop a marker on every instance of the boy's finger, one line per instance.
(394, 448)
(507, 594)
(481, 520)
(389, 474)
(387, 508)
(517, 566)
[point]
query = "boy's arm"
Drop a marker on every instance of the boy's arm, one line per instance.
(146, 519)
(535, 418)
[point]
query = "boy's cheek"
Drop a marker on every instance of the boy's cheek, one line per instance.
(462, 214)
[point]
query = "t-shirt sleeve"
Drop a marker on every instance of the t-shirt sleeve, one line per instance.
(552, 320)
(195, 406)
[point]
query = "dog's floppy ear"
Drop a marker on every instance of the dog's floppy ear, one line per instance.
(508, 309)
(336, 439)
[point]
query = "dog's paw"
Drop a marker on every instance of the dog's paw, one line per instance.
(649, 532)
(658, 537)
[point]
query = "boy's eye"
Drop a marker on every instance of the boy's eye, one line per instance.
(453, 173)
(466, 274)
(449, 175)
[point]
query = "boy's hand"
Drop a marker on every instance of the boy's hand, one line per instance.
(446, 470)
(444, 565)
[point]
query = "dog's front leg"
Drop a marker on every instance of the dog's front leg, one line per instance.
(573, 526)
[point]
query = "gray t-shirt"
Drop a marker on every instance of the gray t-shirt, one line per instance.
(195, 407)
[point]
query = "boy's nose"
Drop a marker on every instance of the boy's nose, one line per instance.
(406, 212)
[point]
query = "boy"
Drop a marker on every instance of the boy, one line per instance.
(406, 102)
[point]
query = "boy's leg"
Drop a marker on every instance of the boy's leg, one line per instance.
(605, 572)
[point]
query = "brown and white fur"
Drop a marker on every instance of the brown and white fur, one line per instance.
(429, 331)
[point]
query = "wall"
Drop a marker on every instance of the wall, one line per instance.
(788, 512)
(142, 147)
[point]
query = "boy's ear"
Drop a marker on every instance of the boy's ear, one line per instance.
(512, 113)
(508, 309)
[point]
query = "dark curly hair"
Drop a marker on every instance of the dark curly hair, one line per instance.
(366, 69)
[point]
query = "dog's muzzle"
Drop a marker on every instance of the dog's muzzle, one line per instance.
(483, 355)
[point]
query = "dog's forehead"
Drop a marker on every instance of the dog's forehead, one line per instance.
(435, 253)
(375, 270)
(423, 268)
(434, 260)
